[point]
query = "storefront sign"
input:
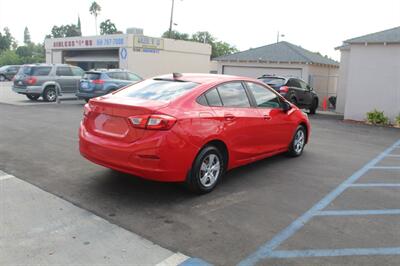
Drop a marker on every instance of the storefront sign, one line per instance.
(117, 41)
(148, 42)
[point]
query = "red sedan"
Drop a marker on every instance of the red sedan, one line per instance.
(190, 128)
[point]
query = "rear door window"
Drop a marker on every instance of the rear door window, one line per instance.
(40, 71)
(118, 75)
(76, 71)
(293, 83)
(133, 77)
(64, 71)
(157, 90)
(212, 97)
(233, 95)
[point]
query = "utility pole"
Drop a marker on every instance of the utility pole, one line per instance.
(278, 36)
(171, 20)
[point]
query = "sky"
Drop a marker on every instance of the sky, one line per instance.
(316, 25)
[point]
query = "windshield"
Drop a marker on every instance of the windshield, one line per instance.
(157, 90)
(3, 68)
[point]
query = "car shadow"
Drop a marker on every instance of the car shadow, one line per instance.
(135, 190)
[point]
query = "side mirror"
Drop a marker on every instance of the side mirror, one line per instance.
(286, 106)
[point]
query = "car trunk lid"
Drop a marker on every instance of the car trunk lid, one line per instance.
(109, 117)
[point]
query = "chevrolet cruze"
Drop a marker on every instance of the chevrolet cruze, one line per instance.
(190, 128)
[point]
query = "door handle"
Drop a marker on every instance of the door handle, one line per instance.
(267, 117)
(229, 117)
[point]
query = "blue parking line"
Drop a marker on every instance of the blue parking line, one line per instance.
(358, 212)
(335, 252)
(194, 262)
(386, 167)
(268, 248)
(377, 185)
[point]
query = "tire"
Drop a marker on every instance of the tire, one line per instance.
(314, 106)
(203, 178)
(293, 100)
(32, 97)
(2, 78)
(50, 94)
(298, 142)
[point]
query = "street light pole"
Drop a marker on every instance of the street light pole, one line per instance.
(171, 20)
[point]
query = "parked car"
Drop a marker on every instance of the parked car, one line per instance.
(8, 72)
(47, 81)
(190, 128)
(100, 82)
(295, 90)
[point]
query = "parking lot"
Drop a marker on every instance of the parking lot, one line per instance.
(338, 204)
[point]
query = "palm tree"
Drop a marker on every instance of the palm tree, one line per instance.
(94, 10)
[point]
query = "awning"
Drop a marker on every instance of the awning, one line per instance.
(92, 58)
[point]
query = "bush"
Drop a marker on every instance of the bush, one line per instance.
(397, 119)
(376, 117)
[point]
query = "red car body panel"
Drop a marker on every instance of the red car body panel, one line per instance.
(108, 138)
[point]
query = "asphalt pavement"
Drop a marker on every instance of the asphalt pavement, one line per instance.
(250, 207)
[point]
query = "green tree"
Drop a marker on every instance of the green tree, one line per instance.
(203, 37)
(6, 40)
(79, 26)
(27, 36)
(107, 27)
(94, 10)
(222, 48)
(9, 57)
(64, 31)
(218, 48)
(176, 35)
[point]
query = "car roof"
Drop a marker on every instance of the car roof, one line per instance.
(201, 78)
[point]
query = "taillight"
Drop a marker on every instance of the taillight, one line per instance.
(86, 110)
(98, 81)
(284, 89)
(154, 122)
(30, 80)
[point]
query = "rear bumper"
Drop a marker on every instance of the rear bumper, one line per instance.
(155, 158)
(28, 90)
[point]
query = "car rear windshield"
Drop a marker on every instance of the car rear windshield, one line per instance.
(274, 82)
(157, 90)
(92, 76)
(35, 70)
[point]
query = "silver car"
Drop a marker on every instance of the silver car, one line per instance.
(47, 81)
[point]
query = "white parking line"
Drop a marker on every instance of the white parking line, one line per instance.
(173, 260)
(6, 176)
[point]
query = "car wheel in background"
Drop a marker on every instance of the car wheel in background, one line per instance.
(87, 99)
(207, 169)
(50, 94)
(296, 147)
(32, 97)
(2, 78)
(293, 100)
(314, 106)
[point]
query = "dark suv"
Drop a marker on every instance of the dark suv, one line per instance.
(100, 82)
(8, 72)
(293, 89)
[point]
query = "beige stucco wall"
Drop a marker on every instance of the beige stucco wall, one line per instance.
(171, 56)
(342, 85)
(373, 81)
(324, 80)
(177, 56)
